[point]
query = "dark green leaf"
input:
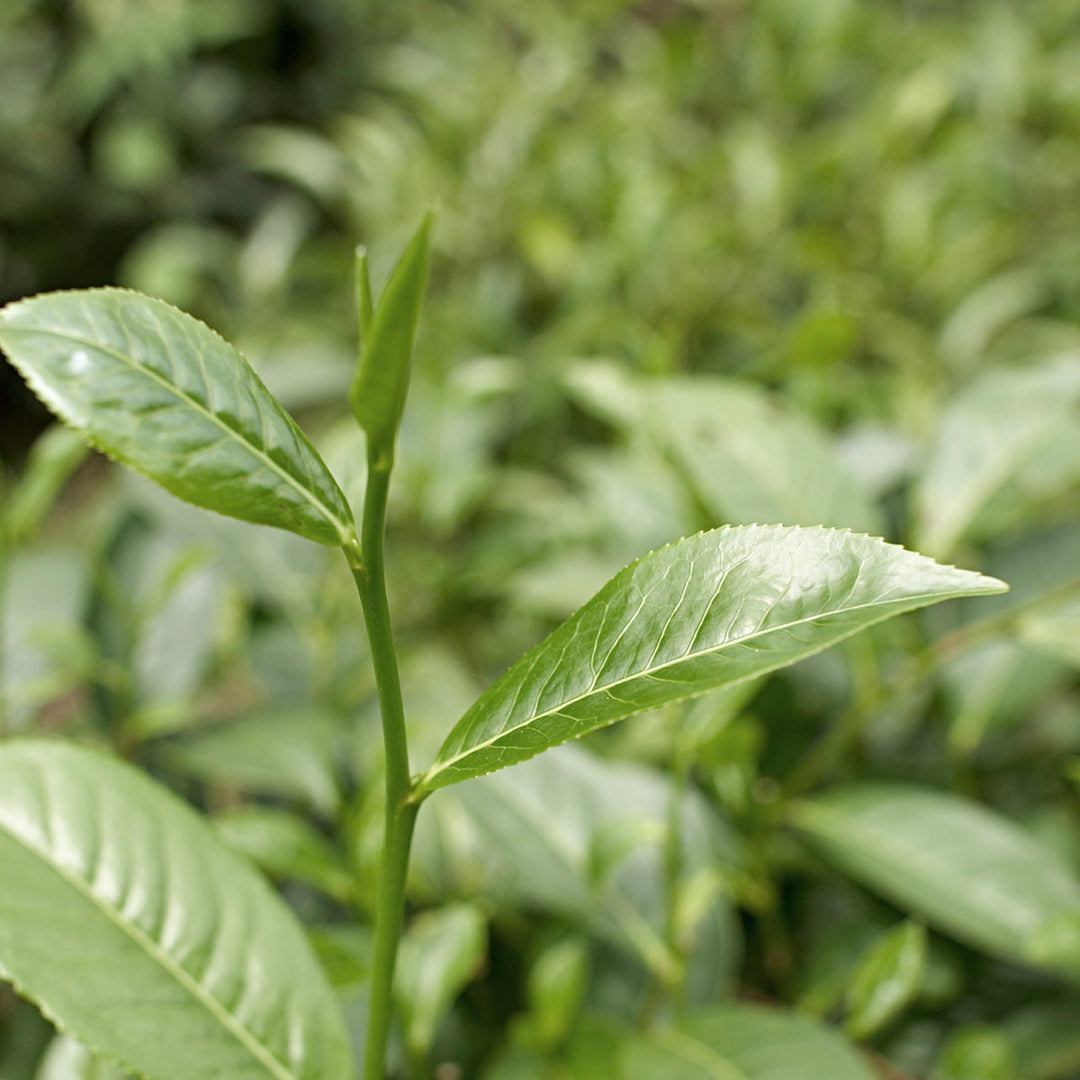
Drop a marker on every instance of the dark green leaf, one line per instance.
(710, 611)
(131, 925)
(159, 391)
(378, 390)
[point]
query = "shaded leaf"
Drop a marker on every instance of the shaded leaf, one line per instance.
(709, 611)
(985, 437)
(159, 391)
(440, 953)
(291, 754)
(744, 1042)
(969, 871)
(529, 838)
(886, 980)
(117, 895)
(287, 846)
(751, 460)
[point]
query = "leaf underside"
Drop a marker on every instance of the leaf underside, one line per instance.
(709, 611)
(161, 392)
(135, 930)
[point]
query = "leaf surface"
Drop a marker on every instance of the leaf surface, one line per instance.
(969, 871)
(745, 1042)
(134, 929)
(709, 611)
(161, 392)
(377, 393)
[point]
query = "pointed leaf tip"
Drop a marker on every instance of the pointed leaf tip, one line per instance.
(378, 390)
(161, 392)
(709, 611)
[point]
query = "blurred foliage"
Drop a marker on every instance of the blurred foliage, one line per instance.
(696, 261)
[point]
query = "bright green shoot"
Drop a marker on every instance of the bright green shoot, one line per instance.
(100, 862)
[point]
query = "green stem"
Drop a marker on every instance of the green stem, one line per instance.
(367, 569)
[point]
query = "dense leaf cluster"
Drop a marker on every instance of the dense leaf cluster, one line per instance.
(696, 265)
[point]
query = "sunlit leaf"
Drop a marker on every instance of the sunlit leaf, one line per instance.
(886, 980)
(133, 928)
(159, 391)
(709, 611)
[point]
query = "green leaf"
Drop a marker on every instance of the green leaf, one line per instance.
(293, 754)
(886, 980)
(286, 845)
(556, 985)
(440, 953)
(709, 611)
(977, 1052)
(135, 930)
(970, 872)
(987, 436)
(750, 459)
(53, 458)
(744, 1042)
(378, 390)
(502, 839)
(67, 1059)
(159, 391)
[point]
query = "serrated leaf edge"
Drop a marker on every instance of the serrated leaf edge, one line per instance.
(990, 585)
(344, 529)
(247, 1038)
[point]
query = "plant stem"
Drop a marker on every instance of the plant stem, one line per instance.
(368, 573)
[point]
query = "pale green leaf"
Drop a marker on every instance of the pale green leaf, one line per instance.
(292, 753)
(159, 391)
(969, 871)
(744, 1042)
(986, 436)
(287, 846)
(53, 457)
(440, 953)
(134, 929)
(68, 1059)
(709, 611)
(529, 838)
(378, 390)
(751, 459)
(886, 980)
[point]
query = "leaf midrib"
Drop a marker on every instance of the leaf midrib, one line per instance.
(340, 526)
(441, 767)
(217, 1010)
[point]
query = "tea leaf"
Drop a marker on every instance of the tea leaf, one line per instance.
(135, 930)
(744, 1042)
(378, 390)
(159, 391)
(709, 611)
(970, 872)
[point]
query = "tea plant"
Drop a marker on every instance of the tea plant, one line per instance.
(132, 926)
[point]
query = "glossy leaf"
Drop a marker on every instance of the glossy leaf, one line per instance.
(378, 390)
(744, 1042)
(440, 953)
(969, 871)
(133, 928)
(159, 391)
(709, 611)
(886, 980)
